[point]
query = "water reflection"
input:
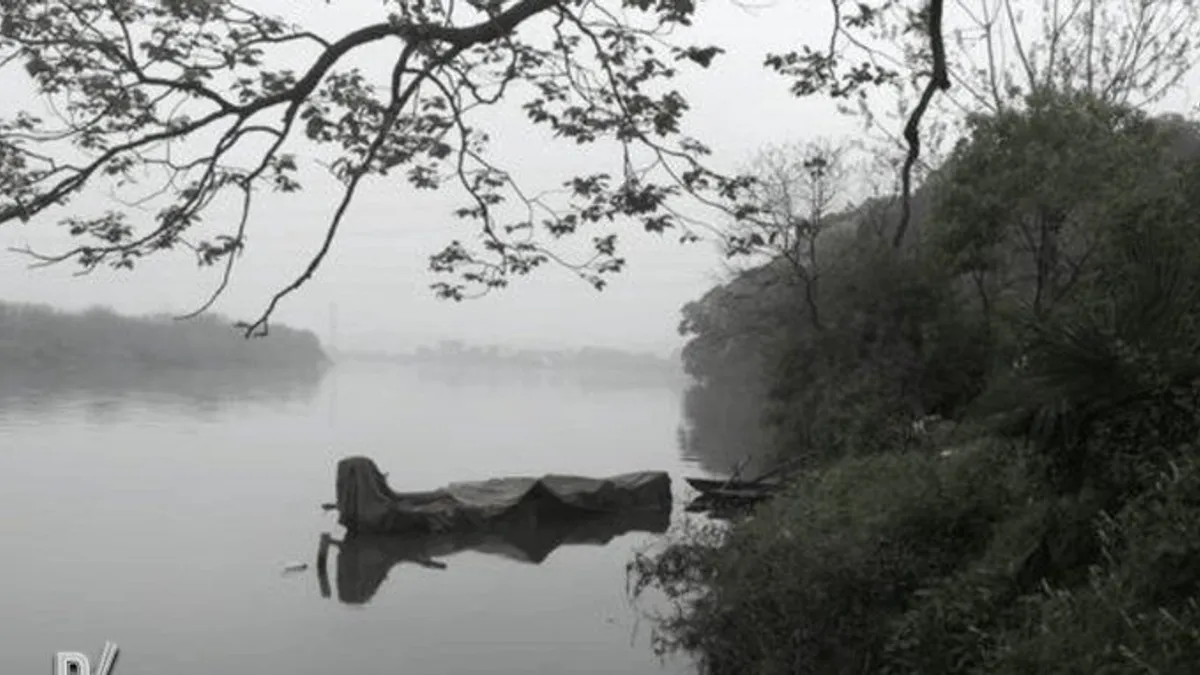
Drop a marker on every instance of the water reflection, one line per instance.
(364, 561)
(724, 428)
(135, 544)
(104, 394)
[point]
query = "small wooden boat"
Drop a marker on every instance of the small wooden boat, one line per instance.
(710, 485)
(737, 495)
(719, 511)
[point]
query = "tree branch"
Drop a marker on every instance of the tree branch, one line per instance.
(939, 80)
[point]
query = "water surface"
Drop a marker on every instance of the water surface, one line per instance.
(159, 515)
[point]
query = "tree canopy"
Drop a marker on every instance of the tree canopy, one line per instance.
(178, 105)
(989, 436)
(182, 103)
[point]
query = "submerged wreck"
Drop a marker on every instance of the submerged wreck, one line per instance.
(367, 505)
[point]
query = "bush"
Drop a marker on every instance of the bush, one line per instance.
(1133, 609)
(897, 348)
(1138, 612)
(812, 582)
(1055, 305)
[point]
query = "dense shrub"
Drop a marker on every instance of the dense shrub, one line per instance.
(1051, 311)
(1137, 612)
(809, 584)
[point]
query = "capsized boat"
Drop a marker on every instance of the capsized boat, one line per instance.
(367, 504)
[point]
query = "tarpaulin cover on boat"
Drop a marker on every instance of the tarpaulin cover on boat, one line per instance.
(366, 503)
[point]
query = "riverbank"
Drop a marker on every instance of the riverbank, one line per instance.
(918, 563)
(1049, 520)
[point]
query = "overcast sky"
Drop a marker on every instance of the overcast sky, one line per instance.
(376, 281)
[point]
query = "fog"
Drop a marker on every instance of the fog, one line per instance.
(373, 290)
(189, 487)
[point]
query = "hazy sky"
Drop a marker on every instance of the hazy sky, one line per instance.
(377, 281)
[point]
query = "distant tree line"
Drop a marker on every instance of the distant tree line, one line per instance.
(456, 354)
(40, 338)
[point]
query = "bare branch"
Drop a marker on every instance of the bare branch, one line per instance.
(939, 80)
(259, 328)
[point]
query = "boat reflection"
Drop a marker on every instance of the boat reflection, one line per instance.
(364, 561)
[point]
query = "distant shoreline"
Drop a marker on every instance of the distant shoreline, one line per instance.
(586, 361)
(35, 339)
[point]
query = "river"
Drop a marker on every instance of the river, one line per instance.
(160, 516)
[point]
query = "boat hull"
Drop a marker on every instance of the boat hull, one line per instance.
(366, 504)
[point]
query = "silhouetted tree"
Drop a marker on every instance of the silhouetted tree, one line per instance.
(136, 79)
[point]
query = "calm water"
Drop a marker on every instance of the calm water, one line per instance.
(159, 515)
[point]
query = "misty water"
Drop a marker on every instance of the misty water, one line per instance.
(159, 514)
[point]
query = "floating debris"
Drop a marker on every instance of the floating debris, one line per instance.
(293, 567)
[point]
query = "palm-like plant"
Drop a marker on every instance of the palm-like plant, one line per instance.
(1131, 336)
